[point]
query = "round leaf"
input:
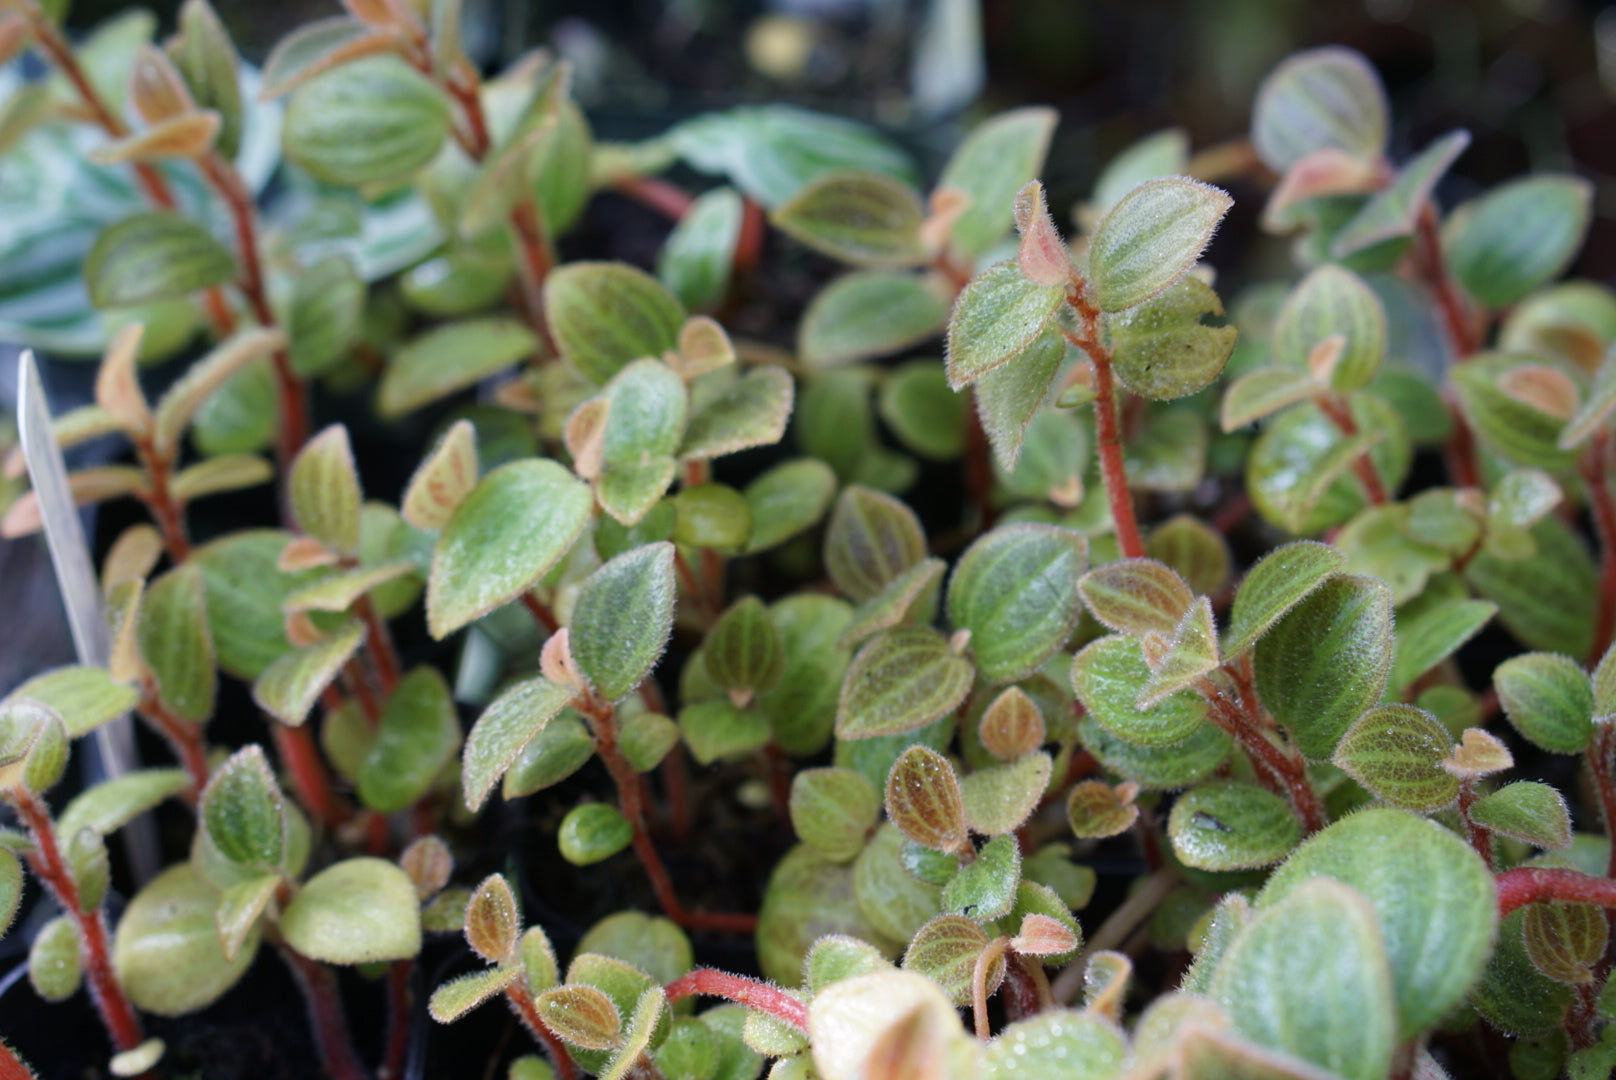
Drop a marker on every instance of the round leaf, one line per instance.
(1232, 826)
(358, 911)
(1015, 590)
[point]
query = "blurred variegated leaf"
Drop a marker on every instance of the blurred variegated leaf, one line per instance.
(863, 218)
(900, 681)
(1518, 236)
(866, 314)
(1319, 99)
(605, 315)
(289, 687)
(450, 358)
(1396, 752)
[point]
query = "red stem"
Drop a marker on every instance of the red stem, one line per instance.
(1536, 885)
(522, 1002)
(1479, 836)
(749, 243)
(1451, 307)
(168, 514)
(379, 644)
(541, 613)
(631, 794)
(398, 1023)
(536, 264)
(779, 767)
(1362, 465)
(324, 1004)
(1108, 434)
(666, 198)
(1601, 750)
(301, 758)
(1592, 467)
(357, 681)
(1291, 770)
(96, 957)
(762, 996)
(183, 738)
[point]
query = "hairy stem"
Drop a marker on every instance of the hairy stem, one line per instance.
(324, 1004)
(1479, 836)
(762, 996)
(117, 1014)
(301, 759)
(168, 514)
(1450, 305)
(1290, 768)
(1363, 466)
(1536, 885)
(1601, 756)
(183, 738)
(979, 984)
(11, 1066)
(379, 645)
(1108, 432)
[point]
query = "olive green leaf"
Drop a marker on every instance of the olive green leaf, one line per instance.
(33, 745)
(999, 799)
(1565, 941)
(1332, 301)
(712, 516)
(459, 996)
(1310, 977)
(1107, 677)
(1299, 472)
(326, 315)
(622, 619)
(560, 749)
(945, 950)
(319, 46)
(1008, 396)
(743, 651)
(208, 379)
(593, 832)
(1258, 393)
(997, 316)
(227, 472)
(341, 590)
(788, 500)
(1190, 655)
(167, 953)
(1012, 725)
(1549, 699)
(580, 1014)
(1062, 1042)
(243, 811)
(1277, 583)
(644, 410)
(244, 591)
(866, 314)
(1512, 404)
(1095, 810)
(10, 888)
(1396, 752)
(416, 739)
(176, 643)
(1232, 825)
(370, 122)
(833, 811)
(357, 911)
(996, 159)
(507, 534)
(720, 729)
(1432, 894)
(901, 680)
(1316, 100)
(1512, 993)
(1518, 236)
(84, 697)
(206, 58)
(155, 255)
(1547, 601)
(605, 315)
(111, 804)
(1162, 348)
(324, 490)
(646, 738)
(923, 412)
(1431, 633)
(290, 685)
(1527, 811)
(802, 706)
(752, 411)
(1015, 590)
(986, 889)
(510, 723)
(911, 597)
(1393, 214)
(871, 539)
(923, 799)
(241, 906)
(863, 218)
(1151, 238)
(448, 358)
(1327, 661)
(695, 260)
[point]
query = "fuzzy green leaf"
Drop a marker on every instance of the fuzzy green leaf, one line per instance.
(1108, 676)
(1316, 100)
(1095, 811)
(1547, 601)
(1010, 395)
(604, 315)
(510, 722)
(457, 997)
(719, 729)
(289, 687)
(324, 490)
(1258, 393)
(243, 811)
(787, 500)
(1327, 661)
(1162, 348)
(1432, 894)
(986, 889)
(513, 527)
(54, 967)
(925, 415)
(245, 591)
(1518, 236)
(1549, 699)
(1277, 583)
(1396, 752)
(1166, 153)
(1232, 825)
(167, 953)
(923, 799)
(1061, 1042)
(1310, 977)
(695, 260)
(863, 218)
(997, 316)
(743, 651)
(358, 911)
(866, 314)
(1001, 798)
(154, 256)
(996, 159)
(802, 706)
(1015, 590)
(84, 697)
(1507, 422)
(752, 412)
(833, 810)
(593, 832)
(448, 358)
(372, 121)
(900, 681)
(1333, 301)
(1151, 238)
(10, 888)
(1190, 655)
(417, 737)
(623, 617)
(1393, 214)
(871, 540)
(111, 804)
(1527, 811)
(945, 950)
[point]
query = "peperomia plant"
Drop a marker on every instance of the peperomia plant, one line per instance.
(1162, 635)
